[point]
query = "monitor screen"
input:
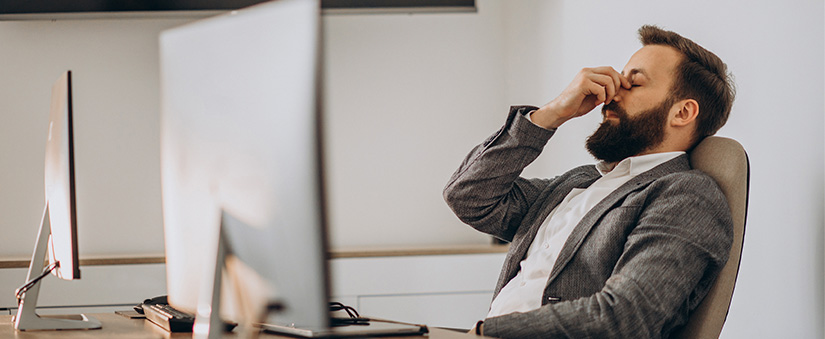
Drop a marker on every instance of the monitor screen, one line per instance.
(57, 235)
(59, 181)
(240, 136)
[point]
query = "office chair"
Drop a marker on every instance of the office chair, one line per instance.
(726, 161)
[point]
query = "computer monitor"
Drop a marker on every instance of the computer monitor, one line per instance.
(240, 141)
(59, 181)
(57, 235)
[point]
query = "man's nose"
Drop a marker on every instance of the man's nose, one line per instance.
(619, 94)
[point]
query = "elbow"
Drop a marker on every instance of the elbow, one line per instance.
(455, 199)
(462, 206)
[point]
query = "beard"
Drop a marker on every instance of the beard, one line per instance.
(630, 136)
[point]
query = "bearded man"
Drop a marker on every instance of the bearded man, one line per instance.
(626, 248)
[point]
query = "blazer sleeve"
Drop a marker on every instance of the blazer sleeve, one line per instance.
(487, 192)
(673, 255)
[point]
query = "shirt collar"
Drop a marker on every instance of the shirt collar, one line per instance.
(634, 166)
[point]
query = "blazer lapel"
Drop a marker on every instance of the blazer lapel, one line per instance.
(584, 182)
(551, 199)
(576, 238)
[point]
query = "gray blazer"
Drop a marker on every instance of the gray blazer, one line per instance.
(634, 267)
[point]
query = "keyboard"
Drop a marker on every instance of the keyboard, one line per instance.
(169, 318)
(172, 320)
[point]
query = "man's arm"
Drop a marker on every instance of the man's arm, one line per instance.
(671, 258)
(486, 192)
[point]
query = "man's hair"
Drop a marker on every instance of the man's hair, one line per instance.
(701, 76)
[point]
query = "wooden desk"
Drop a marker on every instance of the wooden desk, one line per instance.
(117, 327)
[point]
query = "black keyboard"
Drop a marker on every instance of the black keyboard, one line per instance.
(169, 318)
(173, 320)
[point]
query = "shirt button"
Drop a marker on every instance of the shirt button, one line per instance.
(546, 246)
(523, 283)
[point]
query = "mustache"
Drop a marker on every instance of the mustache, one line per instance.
(614, 107)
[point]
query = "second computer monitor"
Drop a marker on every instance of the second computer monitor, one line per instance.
(240, 136)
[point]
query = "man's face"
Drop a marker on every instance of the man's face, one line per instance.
(627, 136)
(635, 121)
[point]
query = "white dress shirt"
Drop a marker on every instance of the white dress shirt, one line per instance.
(524, 292)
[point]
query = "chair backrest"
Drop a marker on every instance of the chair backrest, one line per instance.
(726, 162)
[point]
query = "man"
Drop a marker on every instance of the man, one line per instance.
(623, 249)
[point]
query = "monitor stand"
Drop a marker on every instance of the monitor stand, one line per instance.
(208, 324)
(27, 317)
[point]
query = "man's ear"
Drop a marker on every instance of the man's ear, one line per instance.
(684, 112)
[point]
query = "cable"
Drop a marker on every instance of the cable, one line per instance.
(336, 306)
(21, 292)
(354, 317)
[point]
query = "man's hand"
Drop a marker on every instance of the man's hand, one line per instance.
(590, 88)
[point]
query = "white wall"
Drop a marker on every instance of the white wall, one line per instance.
(775, 51)
(115, 91)
(406, 97)
(409, 95)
